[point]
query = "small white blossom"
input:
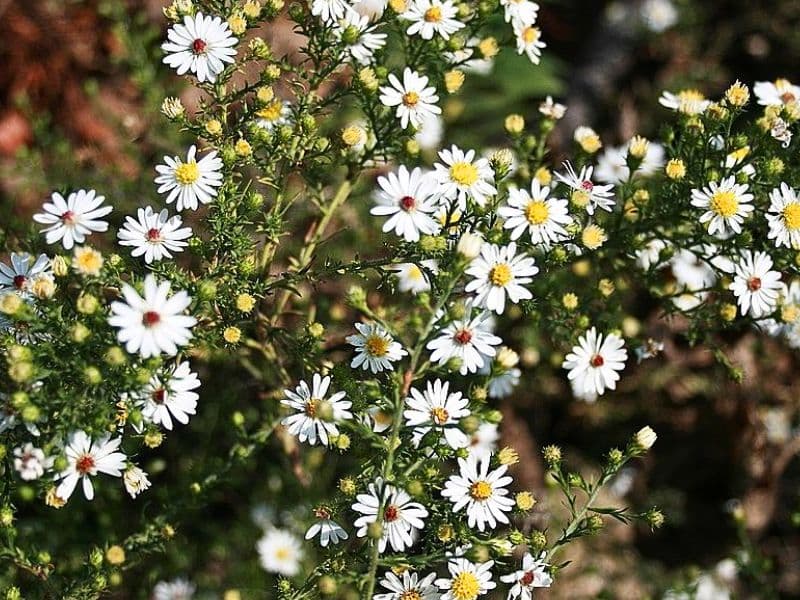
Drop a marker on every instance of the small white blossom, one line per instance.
(585, 193)
(192, 181)
(201, 45)
(85, 459)
(154, 235)
(543, 217)
(329, 531)
(71, 220)
(783, 217)
(280, 552)
(432, 17)
(439, 409)
(402, 518)
(409, 200)
(170, 396)
(500, 271)
(414, 98)
(408, 586)
(308, 424)
(465, 339)
(376, 350)
(30, 462)
(726, 205)
(594, 363)
(755, 285)
(482, 492)
(461, 176)
(135, 480)
(467, 580)
(533, 575)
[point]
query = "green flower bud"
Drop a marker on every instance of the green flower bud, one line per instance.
(92, 375)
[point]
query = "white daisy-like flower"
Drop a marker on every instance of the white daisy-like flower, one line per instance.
(274, 114)
(551, 109)
(280, 552)
(135, 480)
(484, 441)
(71, 220)
(414, 98)
(465, 339)
(463, 176)
(402, 518)
(726, 205)
(23, 270)
(534, 574)
(777, 93)
(520, 11)
(373, 9)
(152, 323)
(409, 200)
(612, 165)
(362, 37)
(409, 587)
(502, 383)
(658, 15)
(783, 217)
(329, 531)
(482, 492)
(330, 11)
(170, 396)
(687, 102)
(85, 459)
(585, 193)
(201, 44)
(376, 350)
(500, 271)
(544, 218)
(192, 181)
(30, 462)
(154, 235)
(177, 589)
(412, 278)
(432, 17)
(430, 132)
(649, 257)
(594, 363)
(529, 41)
(316, 414)
(467, 580)
(439, 409)
(755, 285)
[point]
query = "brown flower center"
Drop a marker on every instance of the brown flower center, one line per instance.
(199, 46)
(407, 203)
(754, 284)
(150, 318)
(597, 361)
(84, 464)
(463, 336)
(391, 513)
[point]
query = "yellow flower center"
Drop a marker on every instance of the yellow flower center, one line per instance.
(187, 173)
(283, 553)
(88, 261)
(724, 203)
(410, 98)
(500, 275)
(410, 595)
(433, 14)
(464, 173)
(312, 406)
(465, 586)
(580, 198)
(536, 212)
(377, 345)
(530, 35)
(271, 112)
(439, 415)
(414, 273)
(791, 215)
(480, 490)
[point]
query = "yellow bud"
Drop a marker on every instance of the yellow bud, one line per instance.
(368, 78)
(638, 146)
(243, 148)
(232, 335)
(606, 287)
(245, 303)
(543, 175)
(10, 303)
(588, 139)
(675, 169)
(115, 555)
(354, 135)
(453, 80)
(252, 9)
(508, 456)
(727, 312)
(87, 261)
(488, 47)
(60, 266)
(43, 287)
(153, 439)
(53, 500)
(214, 127)
(593, 236)
(525, 501)
(738, 94)
(445, 533)
(398, 6)
(570, 301)
(237, 24)
(514, 124)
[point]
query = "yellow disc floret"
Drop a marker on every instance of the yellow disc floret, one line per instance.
(187, 173)
(464, 173)
(480, 490)
(500, 275)
(536, 212)
(465, 586)
(724, 203)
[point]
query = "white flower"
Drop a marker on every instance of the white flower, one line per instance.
(783, 218)
(135, 480)
(202, 45)
(466, 340)
(409, 199)
(280, 552)
(412, 278)
(371, 8)
(544, 218)
(330, 532)
(726, 204)
(520, 11)
(432, 17)
(153, 323)
(170, 396)
(365, 41)
(154, 235)
(430, 132)
(469, 245)
(529, 41)
(467, 580)
(402, 518)
(71, 220)
(330, 11)
(551, 109)
(498, 271)
(755, 285)
(585, 193)
(275, 113)
(777, 93)
(594, 362)
(177, 589)
(532, 575)
(482, 492)
(437, 408)
(649, 257)
(311, 421)
(658, 15)
(410, 587)
(612, 165)
(645, 438)
(688, 102)
(19, 275)
(30, 462)
(484, 440)
(87, 458)
(462, 176)
(414, 99)
(376, 350)
(502, 384)
(191, 181)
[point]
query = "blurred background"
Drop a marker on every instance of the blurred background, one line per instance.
(80, 87)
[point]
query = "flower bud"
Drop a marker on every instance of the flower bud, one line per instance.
(508, 456)
(87, 304)
(644, 439)
(469, 246)
(525, 501)
(115, 555)
(552, 456)
(172, 108)
(675, 169)
(453, 80)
